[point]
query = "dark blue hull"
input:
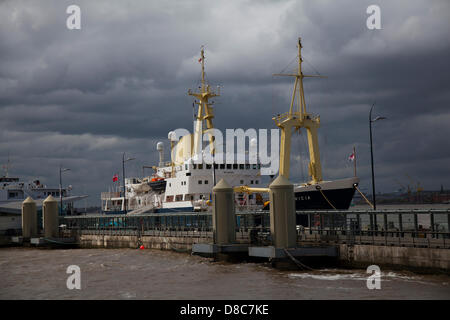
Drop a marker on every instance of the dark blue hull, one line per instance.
(314, 200)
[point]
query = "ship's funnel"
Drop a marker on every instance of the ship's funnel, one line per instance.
(160, 149)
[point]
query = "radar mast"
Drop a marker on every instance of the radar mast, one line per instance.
(296, 119)
(205, 112)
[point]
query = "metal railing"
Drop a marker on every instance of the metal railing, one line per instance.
(418, 228)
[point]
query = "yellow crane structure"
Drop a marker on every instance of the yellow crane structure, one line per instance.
(205, 113)
(418, 187)
(191, 144)
(298, 118)
(403, 188)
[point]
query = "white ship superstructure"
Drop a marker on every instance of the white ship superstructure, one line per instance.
(13, 192)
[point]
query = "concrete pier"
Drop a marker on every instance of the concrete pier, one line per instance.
(337, 240)
(29, 219)
(224, 225)
(224, 220)
(282, 213)
(410, 257)
(50, 214)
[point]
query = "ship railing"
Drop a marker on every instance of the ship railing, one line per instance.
(109, 195)
(412, 228)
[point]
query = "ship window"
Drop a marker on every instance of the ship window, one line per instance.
(222, 166)
(169, 198)
(241, 166)
(194, 166)
(188, 174)
(206, 181)
(179, 197)
(251, 181)
(228, 166)
(254, 166)
(13, 194)
(200, 166)
(199, 181)
(259, 166)
(235, 166)
(185, 167)
(256, 182)
(242, 182)
(247, 166)
(208, 166)
(216, 166)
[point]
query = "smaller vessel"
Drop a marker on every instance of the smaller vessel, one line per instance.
(13, 192)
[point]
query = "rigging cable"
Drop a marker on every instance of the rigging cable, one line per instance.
(370, 204)
(323, 194)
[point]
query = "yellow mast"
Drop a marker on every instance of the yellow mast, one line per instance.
(205, 110)
(296, 119)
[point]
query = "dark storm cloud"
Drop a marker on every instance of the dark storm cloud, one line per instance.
(80, 98)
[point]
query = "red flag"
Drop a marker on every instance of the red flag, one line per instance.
(351, 157)
(116, 177)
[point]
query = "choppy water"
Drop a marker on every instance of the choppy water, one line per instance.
(151, 274)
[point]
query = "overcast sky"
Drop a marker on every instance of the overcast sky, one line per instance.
(80, 98)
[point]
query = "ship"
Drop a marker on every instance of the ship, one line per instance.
(183, 184)
(13, 191)
(315, 194)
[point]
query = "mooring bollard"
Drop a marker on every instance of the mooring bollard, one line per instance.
(29, 218)
(282, 213)
(50, 214)
(224, 220)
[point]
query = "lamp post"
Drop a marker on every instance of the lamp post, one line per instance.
(123, 176)
(371, 154)
(61, 170)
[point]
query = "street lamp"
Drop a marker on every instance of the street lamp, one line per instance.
(61, 170)
(123, 176)
(371, 153)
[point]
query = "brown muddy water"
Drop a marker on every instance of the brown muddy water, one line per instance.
(27, 273)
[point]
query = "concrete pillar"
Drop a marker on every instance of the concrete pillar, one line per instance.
(50, 215)
(29, 218)
(224, 219)
(282, 213)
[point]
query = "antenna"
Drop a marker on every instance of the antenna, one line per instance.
(205, 111)
(7, 166)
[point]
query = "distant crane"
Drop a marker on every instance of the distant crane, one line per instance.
(402, 187)
(419, 188)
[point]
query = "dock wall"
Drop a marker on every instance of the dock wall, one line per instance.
(149, 242)
(409, 257)
(349, 255)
